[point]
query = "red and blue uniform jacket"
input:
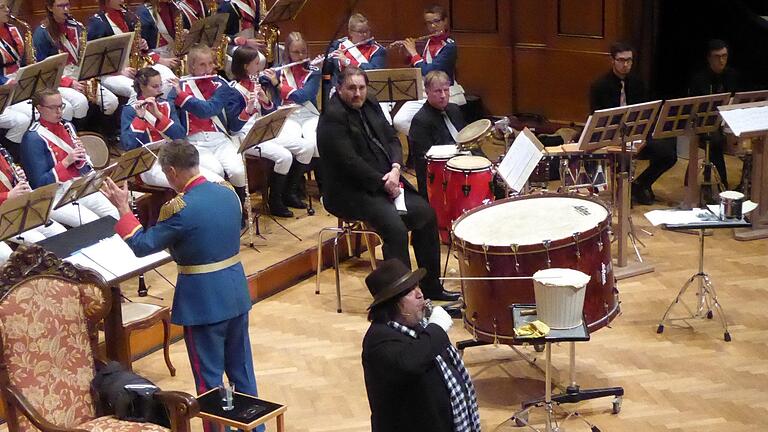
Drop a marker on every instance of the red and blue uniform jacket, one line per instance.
(135, 131)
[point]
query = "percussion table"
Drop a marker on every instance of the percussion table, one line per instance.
(248, 412)
(706, 295)
(525, 313)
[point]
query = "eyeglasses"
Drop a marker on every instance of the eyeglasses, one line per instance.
(62, 6)
(53, 107)
(625, 60)
(435, 21)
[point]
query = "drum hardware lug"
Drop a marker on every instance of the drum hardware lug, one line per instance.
(514, 247)
(485, 253)
(466, 189)
(431, 177)
(547, 244)
(495, 332)
(474, 325)
(576, 240)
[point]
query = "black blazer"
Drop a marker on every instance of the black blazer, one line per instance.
(350, 168)
(428, 127)
(405, 387)
(606, 91)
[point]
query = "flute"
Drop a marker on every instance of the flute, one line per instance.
(317, 59)
(194, 78)
(418, 39)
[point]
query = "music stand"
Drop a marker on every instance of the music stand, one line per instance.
(282, 10)
(690, 116)
(44, 74)
(105, 56)
(84, 186)
(748, 97)
(746, 121)
(264, 129)
(135, 162)
(6, 94)
(206, 31)
(619, 127)
(396, 85)
(21, 214)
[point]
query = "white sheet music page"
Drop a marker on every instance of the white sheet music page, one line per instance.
(116, 256)
(521, 159)
(746, 120)
(80, 259)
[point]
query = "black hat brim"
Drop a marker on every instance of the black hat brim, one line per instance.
(405, 283)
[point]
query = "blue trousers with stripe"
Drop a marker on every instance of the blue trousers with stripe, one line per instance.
(219, 348)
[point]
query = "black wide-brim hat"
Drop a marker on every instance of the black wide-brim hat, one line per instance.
(391, 278)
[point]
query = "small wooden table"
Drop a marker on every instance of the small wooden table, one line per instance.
(248, 413)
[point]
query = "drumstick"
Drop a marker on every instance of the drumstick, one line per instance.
(499, 278)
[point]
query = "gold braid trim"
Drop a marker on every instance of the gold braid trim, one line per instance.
(172, 207)
(227, 185)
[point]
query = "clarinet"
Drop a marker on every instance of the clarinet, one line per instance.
(83, 166)
(15, 179)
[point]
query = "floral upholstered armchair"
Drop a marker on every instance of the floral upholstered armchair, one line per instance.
(49, 310)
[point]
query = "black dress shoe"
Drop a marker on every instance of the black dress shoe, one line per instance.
(443, 295)
(293, 201)
(641, 195)
(453, 311)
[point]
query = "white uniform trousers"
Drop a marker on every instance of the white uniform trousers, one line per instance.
(5, 252)
(305, 121)
(32, 236)
(120, 85)
(284, 148)
(16, 118)
(404, 117)
(156, 177)
(76, 103)
(218, 154)
(87, 209)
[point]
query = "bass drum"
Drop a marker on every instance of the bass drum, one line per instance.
(518, 236)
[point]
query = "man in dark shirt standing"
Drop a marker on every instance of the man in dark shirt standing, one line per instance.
(361, 159)
(438, 122)
(716, 78)
(619, 88)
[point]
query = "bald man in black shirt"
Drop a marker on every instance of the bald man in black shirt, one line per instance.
(619, 88)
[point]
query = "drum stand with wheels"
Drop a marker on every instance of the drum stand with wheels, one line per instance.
(706, 294)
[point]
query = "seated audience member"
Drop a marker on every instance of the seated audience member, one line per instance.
(414, 377)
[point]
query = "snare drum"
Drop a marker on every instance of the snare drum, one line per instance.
(468, 181)
(519, 236)
(436, 184)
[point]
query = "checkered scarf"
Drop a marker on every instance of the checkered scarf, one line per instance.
(461, 390)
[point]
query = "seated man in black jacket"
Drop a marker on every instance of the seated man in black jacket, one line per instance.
(438, 122)
(619, 88)
(361, 157)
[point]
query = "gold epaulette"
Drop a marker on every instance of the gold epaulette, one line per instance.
(172, 207)
(227, 185)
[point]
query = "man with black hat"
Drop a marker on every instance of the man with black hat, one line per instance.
(414, 377)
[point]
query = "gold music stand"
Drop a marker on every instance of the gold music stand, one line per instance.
(396, 85)
(207, 31)
(282, 10)
(44, 74)
(264, 129)
(750, 120)
(21, 214)
(85, 185)
(621, 127)
(135, 162)
(690, 116)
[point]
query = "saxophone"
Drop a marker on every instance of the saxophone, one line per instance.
(29, 47)
(92, 85)
(178, 42)
(220, 47)
(137, 59)
(269, 32)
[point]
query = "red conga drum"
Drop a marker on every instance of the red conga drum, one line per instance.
(468, 181)
(436, 184)
(521, 235)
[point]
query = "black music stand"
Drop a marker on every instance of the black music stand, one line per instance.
(207, 31)
(44, 74)
(6, 95)
(621, 127)
(521, 315)
(283, 10)
(746, 121)
(21, 214)
(690, 117)
(396, 85)
(264, 129)
(84, 186)
(105, 56)
(135, 162)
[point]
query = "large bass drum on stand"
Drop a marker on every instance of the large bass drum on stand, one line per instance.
(517, 236)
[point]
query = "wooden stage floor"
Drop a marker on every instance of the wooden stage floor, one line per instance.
(687, 379)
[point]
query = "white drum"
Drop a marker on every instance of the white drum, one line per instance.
(559, 297)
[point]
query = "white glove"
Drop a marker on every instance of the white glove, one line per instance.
(440, 317)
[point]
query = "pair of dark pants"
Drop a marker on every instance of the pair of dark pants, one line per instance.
(661, 155)
(379, 212)
(215, 349)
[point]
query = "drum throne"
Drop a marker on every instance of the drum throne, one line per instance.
(49, 310)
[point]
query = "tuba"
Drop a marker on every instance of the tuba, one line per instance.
(269, 32)
(29, 47)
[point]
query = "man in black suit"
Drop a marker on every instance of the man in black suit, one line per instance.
(438, 122)
(361, 158)
(619, 88)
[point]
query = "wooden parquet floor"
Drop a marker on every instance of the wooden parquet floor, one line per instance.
(686, 379)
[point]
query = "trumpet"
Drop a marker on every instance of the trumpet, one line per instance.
(83, 165)
(399, 43)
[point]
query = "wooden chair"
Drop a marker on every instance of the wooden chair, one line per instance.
(49, 310)
(345, 228)
(137, 316)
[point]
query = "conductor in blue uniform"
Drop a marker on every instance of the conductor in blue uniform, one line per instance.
(201, 229)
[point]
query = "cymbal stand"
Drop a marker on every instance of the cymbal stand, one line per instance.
(711, 184)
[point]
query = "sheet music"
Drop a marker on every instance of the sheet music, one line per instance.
(80, 259)
(746, 119)
(117, 258)
(520, 161)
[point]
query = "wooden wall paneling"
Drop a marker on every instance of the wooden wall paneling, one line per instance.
(474, 16)
(581, 18)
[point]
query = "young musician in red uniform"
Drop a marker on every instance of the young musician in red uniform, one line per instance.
(51, 152)
(61, 33)
(16, 118)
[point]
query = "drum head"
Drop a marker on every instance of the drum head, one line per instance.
(474, 130)
(529, 221)
(96, 149)
(469, 163)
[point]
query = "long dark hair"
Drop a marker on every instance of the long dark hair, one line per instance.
(240, 60)
(387, 311)
(51, 25)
